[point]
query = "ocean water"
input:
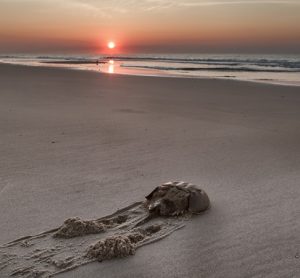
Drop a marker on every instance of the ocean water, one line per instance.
(277, 69)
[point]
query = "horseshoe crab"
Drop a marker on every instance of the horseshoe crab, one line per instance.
(78, 242)
(176, 198)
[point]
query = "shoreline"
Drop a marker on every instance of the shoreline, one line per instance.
(155, 74)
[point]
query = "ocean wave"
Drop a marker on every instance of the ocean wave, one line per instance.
(60, 58)
(223, 69)
(283, 63)
(277, 69)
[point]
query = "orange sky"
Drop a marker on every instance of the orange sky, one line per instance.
(150, 25)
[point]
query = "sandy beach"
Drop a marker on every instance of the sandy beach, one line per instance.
(76, 143)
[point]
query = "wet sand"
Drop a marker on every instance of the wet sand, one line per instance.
(84, 144)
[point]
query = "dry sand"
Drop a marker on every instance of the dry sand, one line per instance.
(83, 144)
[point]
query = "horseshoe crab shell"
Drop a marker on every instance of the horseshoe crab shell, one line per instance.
(175, 198)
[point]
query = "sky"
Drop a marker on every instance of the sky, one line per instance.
(160, 26)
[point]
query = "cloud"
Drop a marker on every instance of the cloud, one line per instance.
(105, 8)
(237, 2)
(151, 5)
(198, 3)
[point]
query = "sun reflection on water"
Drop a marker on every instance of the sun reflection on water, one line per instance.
(111, 68)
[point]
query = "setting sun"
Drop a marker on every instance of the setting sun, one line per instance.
(111, 45)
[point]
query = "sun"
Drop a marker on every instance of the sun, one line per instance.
(111, 45)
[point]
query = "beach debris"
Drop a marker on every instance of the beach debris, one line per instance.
(117, 246)
(177, 198)
(78, 242)
(74, 227)
(120, 246)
